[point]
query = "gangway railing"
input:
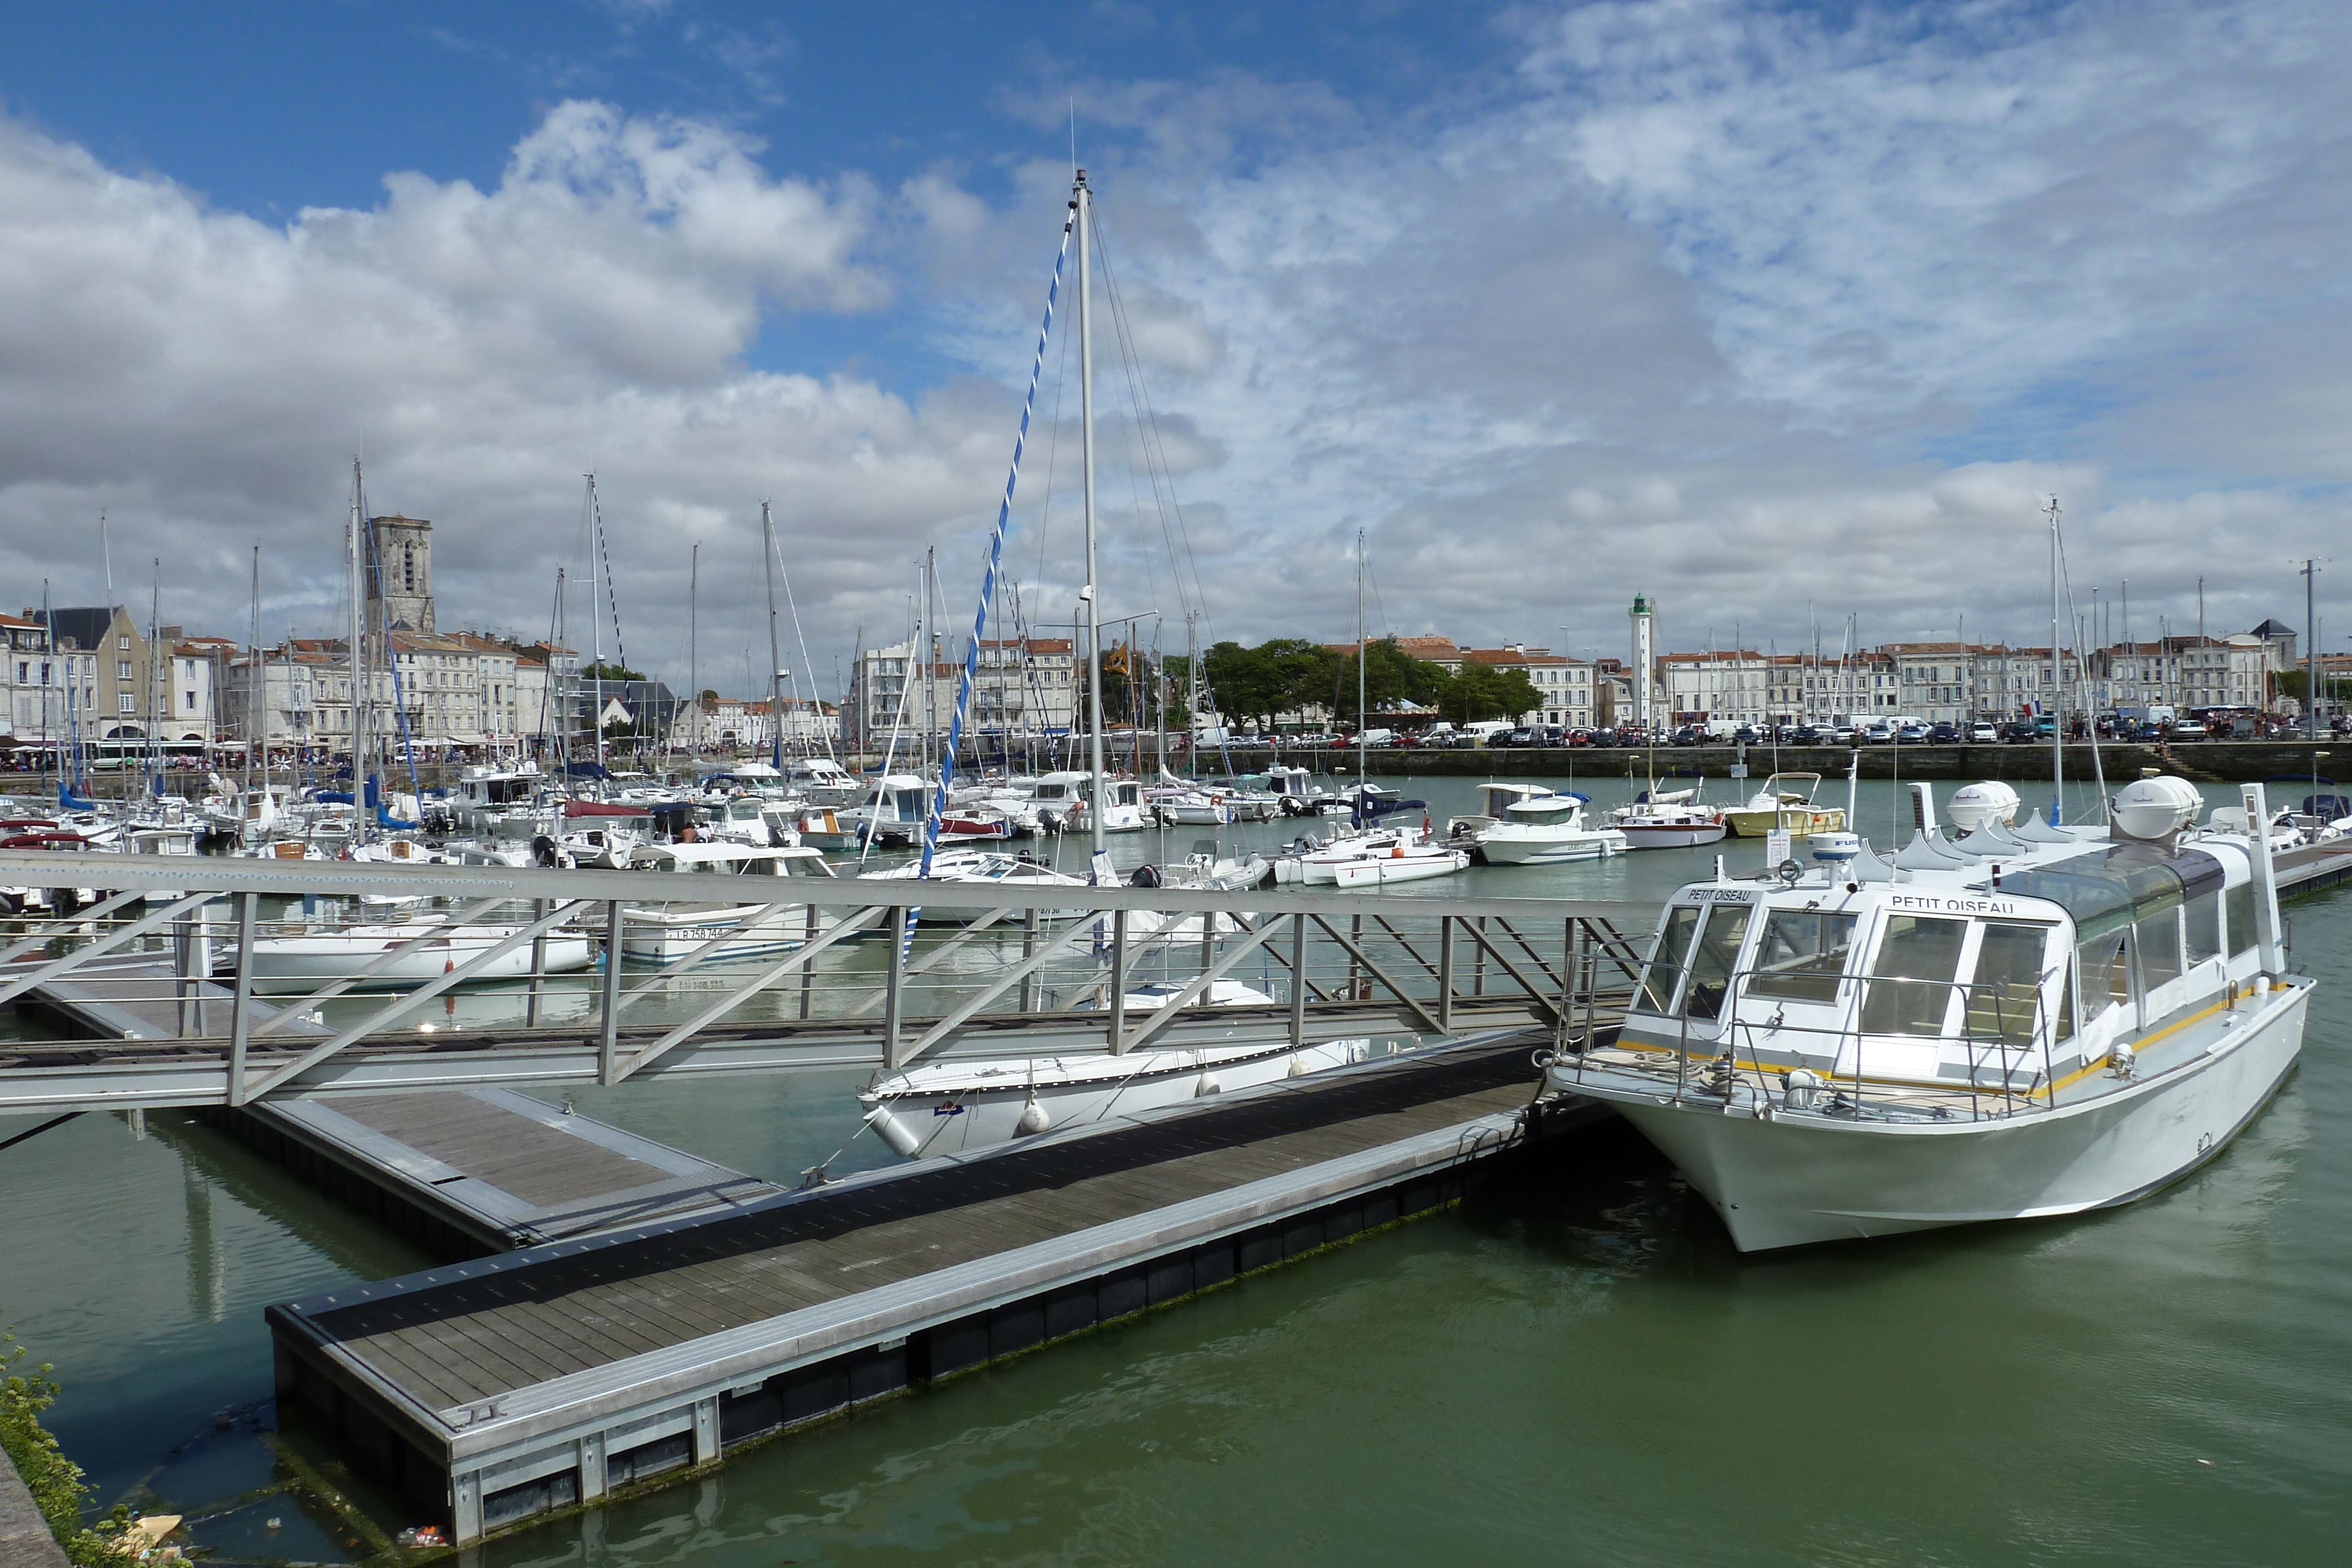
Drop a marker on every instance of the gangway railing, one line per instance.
(142, 982)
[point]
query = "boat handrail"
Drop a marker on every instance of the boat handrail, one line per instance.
(1725, 1059)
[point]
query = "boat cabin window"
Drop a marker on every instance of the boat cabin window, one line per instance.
(2105, 963)
(2158, 935)
(1713, 960)
(2202, 924)
(2240, 908)
(1911, 977)
(1802, 954)
(2004, 1003)
(1664, 976)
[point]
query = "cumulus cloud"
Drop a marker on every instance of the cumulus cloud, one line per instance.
(1748, 309)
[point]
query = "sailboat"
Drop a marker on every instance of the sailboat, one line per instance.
(1371, 855)
(939, 1107)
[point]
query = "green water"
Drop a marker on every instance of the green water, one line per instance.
(1573, 1369)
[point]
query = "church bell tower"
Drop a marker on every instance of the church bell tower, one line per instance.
(400, 588)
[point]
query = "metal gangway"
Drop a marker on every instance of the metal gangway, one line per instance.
(138, 988)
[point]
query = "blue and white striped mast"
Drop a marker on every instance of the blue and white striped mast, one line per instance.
(995, 559)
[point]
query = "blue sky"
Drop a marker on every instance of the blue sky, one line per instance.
(1741, 305)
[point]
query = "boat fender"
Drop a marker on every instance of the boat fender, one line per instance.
(1799, 1087)
(1033, 1119)
(2122, 1061)
(1297, 1068)
(893, 1132)
(1208, 1084)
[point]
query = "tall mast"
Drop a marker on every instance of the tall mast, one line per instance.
(693, 637)
(775, 661)
(596, 615)
(1363, 774)
(359, 664)
(256, 686)
(1087, 600)
(2310, 650)
(2057, 683)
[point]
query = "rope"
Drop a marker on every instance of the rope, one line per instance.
(988, 580)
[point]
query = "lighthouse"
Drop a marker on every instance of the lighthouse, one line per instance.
(1642, 665)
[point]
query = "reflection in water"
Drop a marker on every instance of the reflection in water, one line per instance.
(206, 1267)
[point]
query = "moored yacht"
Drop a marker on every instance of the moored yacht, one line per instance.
(2012, 1023)
(1547, 830)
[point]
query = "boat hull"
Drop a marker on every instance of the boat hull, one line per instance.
(1380, 871)
(1796, 1180)
(1680, 836)
(1801, 821)
(297, 965)
(1502, 848)
(930, 1124)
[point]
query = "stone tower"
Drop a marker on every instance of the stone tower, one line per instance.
(400, 590)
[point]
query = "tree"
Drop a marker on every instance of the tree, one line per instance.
(1483, 691)
(1276, 676)
(610, 673)
(1390, 677)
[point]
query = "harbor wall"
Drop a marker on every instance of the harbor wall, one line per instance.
(2207, 761)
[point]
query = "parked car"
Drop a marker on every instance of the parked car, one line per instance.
(1943, 734)
(1983, 732)
(1808, 735)
(2023, 731)
(1911, 735)
(2187, 730)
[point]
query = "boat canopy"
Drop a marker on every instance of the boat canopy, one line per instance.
(2119, 884)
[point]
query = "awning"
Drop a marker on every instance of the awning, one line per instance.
(467, 738)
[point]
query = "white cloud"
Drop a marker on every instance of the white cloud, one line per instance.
(1738, 307)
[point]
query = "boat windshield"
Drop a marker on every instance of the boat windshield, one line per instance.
(1802, 954)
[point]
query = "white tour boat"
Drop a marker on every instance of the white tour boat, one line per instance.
(2014, 1023)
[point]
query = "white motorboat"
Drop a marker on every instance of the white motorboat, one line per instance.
(821, 781)
(306, 962)
(893, 811)
(993, 869)
(2013, 1023)
(1064, 800)
(1494, 796)
(1175, 805)
(1547, 830)
(1374, 857)
(756, 917)
(1667, 820)
(951, 1106)
(1295, 793)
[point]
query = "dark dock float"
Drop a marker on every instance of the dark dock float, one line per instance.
(496, 1391)
(467, 1173)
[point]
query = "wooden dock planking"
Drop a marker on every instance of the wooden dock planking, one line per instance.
(491, 1170)
(506, 1334)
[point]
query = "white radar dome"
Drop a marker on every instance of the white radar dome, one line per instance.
(1837, 848)
(2155, 808)
(1974, 805)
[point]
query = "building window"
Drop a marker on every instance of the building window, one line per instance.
(408, 569)
(121, 669)
(122, 644)
(126, 703)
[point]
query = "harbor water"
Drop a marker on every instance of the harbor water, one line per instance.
(1571, 1367)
